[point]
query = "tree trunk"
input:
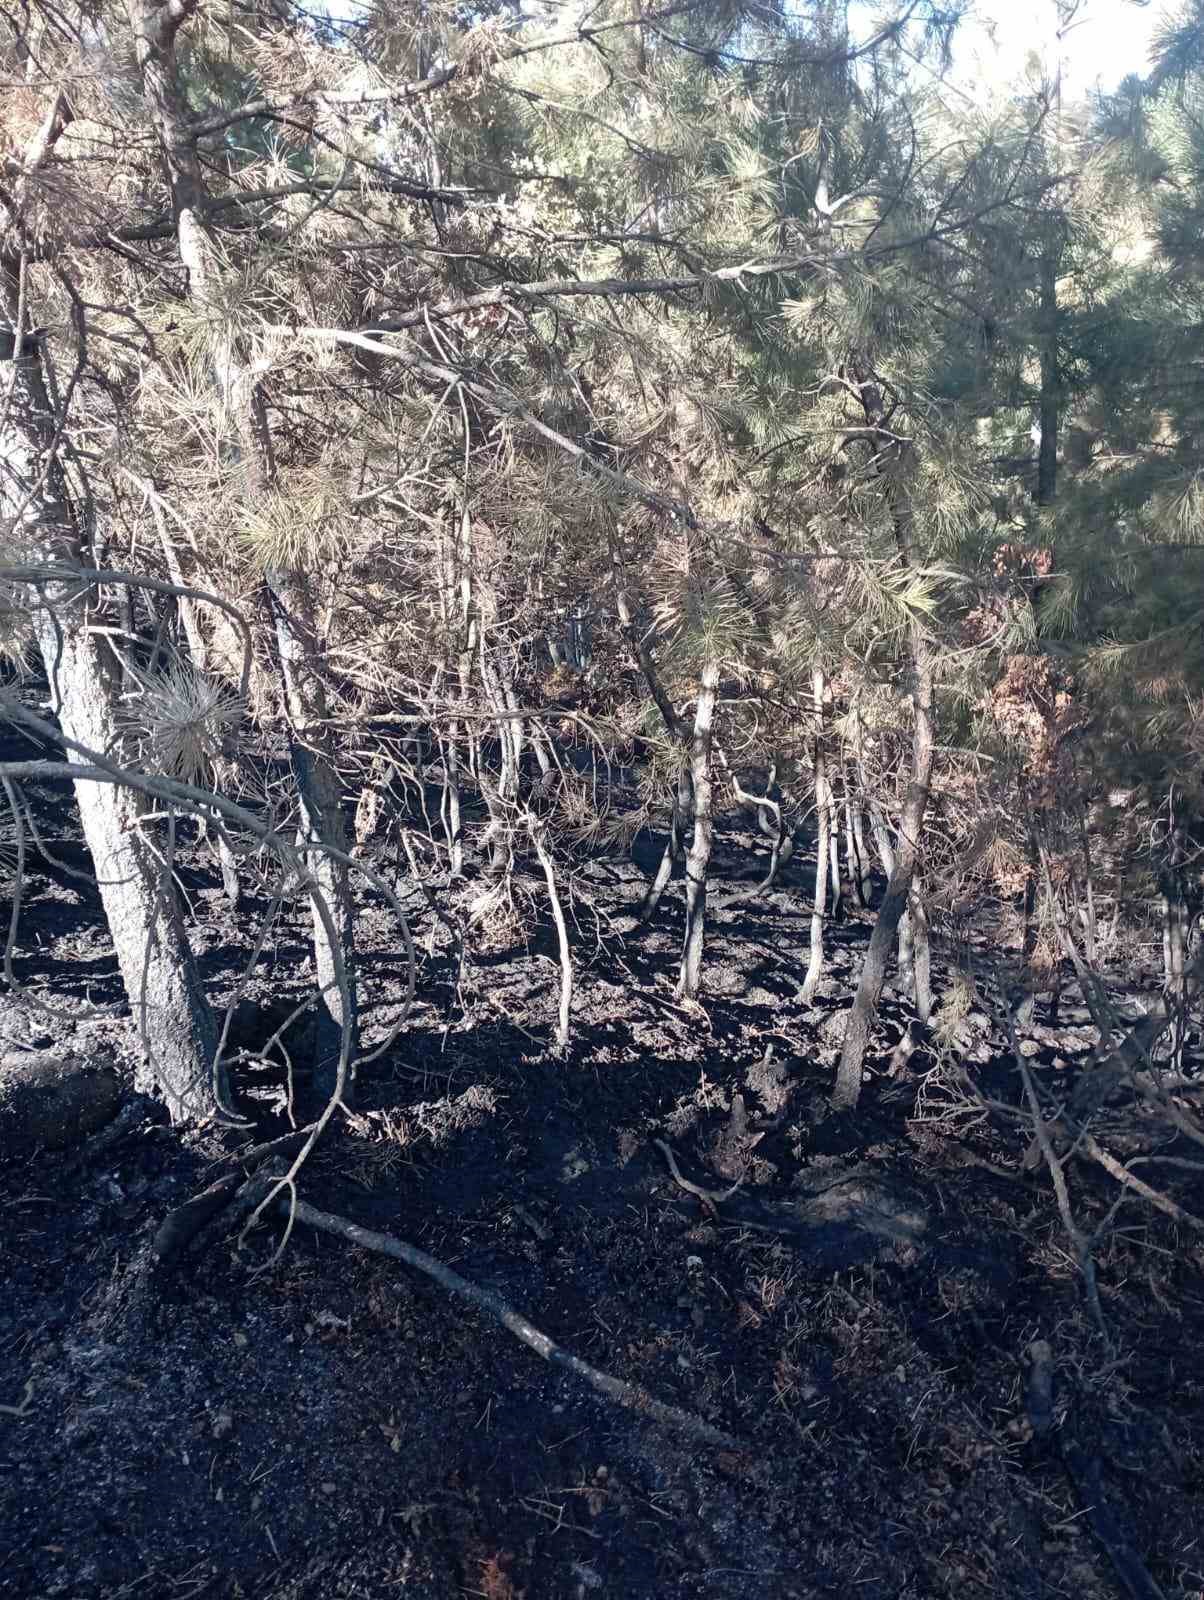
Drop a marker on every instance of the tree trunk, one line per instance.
(863, 855)
(699, 855)
(834, 850)
(155, 28)
(892, 455)
(449, 805)
(854, 843)
(1047, 459)
(683, 802)
(322, 823)
(815, 963)
(886, 855)
(906, 956)
(921, 956)
(176, 1026)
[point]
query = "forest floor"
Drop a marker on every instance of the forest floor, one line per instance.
(858, 1315)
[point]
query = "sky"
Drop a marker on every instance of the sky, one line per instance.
(1108, 40)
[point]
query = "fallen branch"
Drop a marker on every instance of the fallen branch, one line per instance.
(181, 1226)
(709, 1197)
(228, 1194)
(23, 1406)
(1082, 1467)
(1130, 1180)
(1057, 1172)
(286, 1145)
(562, 934)
(629, 1395)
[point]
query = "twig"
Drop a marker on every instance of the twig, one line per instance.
(181, 1226)
(286, 1145)
(629, 1395)
(562, 934)
(709, 1197)
(1083, 1470)
(23, 1406)
(1130, 1180)
(1057, 1173)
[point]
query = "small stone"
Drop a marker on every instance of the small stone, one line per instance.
(330, 1488)
(240, 1339)
(223, 1425)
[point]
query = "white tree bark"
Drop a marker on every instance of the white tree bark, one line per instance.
(176, 1026)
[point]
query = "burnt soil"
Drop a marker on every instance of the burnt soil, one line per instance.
(334, 1425)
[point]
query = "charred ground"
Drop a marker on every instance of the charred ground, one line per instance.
(858, 1314)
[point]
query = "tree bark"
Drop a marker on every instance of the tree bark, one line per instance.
(155, 28)
(823, 813)
(176, 1026)
(683, 801)
(1050, 397)
(834, 851)
(892, 460)
(322, 822)
(921, 953)
(854, 842)
(699, 855)
(866, 881)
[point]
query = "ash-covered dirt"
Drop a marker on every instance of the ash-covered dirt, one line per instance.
(333, 1425)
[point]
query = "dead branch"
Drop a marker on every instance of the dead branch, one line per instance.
(1130, 1180)
(287, 1145)
(1084, 1472)
(629, 1395)
(181, 1226)
(562, 933)
(1057, 1173)
(709, 1197)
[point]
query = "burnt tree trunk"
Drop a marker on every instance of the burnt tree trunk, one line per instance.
(921, 953)
(699, 854)
(237, 395)
(322, 822)
(823, 814)
(834, 852)
(892, 456)
(1050, 398)
(683, 802)
(162, 984)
